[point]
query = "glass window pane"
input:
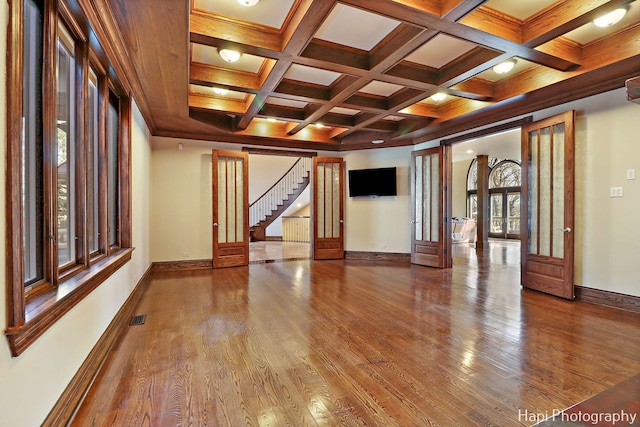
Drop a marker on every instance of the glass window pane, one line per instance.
(328, 201)
(92, 164)
(426, 199)
(320, 199)
(558, 191)
(435, 197)
(545, 192)
(113, 125)
(496, 213)
(32, 166)
(222, 199)
(533, 192)
(472, 176)
(231, 200)
(418, 194)
(473, 206)
(505, 174)
(239, 193)
(65, 154)
(513, 213)
(336, 199)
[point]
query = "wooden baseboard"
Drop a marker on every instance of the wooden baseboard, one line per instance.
(273, 238)
(378, 256)
(609, 299)
(69, 401)
(193, 264)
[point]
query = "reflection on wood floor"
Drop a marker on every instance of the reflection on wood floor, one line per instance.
(271, 251)
(354, 342)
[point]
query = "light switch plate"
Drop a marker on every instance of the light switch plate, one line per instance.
(615, 192)
(631, 174)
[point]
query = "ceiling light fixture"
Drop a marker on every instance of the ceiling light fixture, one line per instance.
(611, 18)
(440, 96)
(248, 3)
(229, 55)
(220, 91)
(504, 67)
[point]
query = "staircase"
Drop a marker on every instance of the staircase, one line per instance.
(278, 198)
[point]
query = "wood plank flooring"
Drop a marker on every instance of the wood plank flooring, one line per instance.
(352, 342)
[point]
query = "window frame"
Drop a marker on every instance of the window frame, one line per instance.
(33, 308)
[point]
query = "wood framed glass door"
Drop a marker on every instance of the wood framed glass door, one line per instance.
(230, 208)
(504, 208)
(548, 168)
(328, 208)
(431, 207)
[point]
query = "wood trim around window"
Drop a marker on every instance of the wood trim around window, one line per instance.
(30, 312)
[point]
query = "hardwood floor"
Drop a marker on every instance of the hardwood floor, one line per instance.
(271, 251)
(352, 342)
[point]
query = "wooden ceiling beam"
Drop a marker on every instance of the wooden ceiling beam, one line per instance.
(406, 14)
(211, 26)
(454, 10)
(563, 17)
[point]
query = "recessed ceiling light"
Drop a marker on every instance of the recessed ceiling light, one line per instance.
(319, 125)
(220, 91)
(377, 141)
(248, 3)
(271, 120)
(440, 96)
(229, 55)
(504, 67)
(469, 151)
(611, 18)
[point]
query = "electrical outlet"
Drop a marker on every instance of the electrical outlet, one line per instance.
(186, 254)
(615, 192)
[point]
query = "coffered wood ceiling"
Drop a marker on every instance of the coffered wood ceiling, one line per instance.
(337, 75)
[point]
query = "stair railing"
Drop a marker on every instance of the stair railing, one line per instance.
(266, 204)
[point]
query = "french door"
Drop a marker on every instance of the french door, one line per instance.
(548, 168)
(504, 205)
(431, 207)
(230, 208)
(328, 208)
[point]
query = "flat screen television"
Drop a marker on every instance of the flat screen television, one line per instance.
(372, 182)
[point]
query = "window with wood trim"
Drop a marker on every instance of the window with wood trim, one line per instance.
(68, 132)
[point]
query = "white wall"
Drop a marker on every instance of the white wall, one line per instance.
(182, 199)
(607, 233)
(31, 383)
(379, 224)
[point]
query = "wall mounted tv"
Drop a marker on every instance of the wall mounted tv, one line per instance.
(372, 182)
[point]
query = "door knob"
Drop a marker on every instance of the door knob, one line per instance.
(566, 230)
(215, 224)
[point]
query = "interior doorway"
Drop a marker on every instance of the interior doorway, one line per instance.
(279, 206)
(502, 219)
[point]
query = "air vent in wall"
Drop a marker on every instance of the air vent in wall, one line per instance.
(138, 320)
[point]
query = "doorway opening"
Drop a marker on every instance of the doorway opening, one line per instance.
(502, 183)
(279, 206)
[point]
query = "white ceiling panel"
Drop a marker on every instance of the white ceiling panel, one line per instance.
(303, 73)
(439, 51)
(353, 27)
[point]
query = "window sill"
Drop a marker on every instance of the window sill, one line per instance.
(44, 310)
